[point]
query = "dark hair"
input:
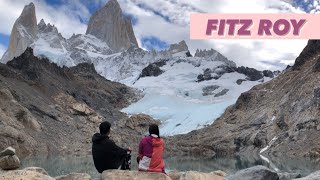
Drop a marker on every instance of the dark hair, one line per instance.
(104, 127)
(154, 129)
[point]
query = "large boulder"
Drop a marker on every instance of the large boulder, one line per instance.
(193, 175)
(9, 162)
(254, 173)
(25, 175)
(132, 175)
(74, 176)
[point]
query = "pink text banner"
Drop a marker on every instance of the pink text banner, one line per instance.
(255, 26)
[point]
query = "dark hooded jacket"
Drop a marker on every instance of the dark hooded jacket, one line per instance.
(106, 154)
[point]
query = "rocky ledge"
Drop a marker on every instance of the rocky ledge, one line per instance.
(253, 173)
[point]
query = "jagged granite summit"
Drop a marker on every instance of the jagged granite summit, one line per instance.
(111, 26)
(109, 31)
(23, 33)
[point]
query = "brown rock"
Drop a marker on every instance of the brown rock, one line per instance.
(36, 169)
(220, 173)
(191, 175)
(74, 176)
(139, 123)
(82, 109)
(9, 162)
(25, 175)
(132, 175)
(175, 175)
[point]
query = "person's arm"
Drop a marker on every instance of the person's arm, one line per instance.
(118, 150)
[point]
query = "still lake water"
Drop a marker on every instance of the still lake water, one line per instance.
(56, 166)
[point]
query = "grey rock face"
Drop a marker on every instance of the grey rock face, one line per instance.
(111, 26)
(23, 33)
(251, 73)
(255, 173)
(316, 67)
(221, 93)
(308, 53)
(9, 162)
(50, 34)
(205, 53)
(209, 90)
(268, 73)
(180, 47)
(152, 70)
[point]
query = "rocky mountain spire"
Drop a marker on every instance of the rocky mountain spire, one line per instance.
(180, 47)
(23, 33)
(111, 26)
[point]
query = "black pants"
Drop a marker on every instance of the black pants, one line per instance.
(126, 162)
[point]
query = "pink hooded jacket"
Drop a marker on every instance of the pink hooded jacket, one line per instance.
(150, 152)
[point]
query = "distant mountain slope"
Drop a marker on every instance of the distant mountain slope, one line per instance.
(47, 109)
(280, 117)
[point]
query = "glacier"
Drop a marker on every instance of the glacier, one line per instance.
(176, 99)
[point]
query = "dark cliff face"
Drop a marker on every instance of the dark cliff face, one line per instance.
(45, 108)
(282, 114)
(309, 52)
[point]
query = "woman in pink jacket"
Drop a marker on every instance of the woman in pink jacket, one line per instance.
(151, 150)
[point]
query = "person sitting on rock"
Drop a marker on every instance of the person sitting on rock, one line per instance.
(151, 150)
(106, 154)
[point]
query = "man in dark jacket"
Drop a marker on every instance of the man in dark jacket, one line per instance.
(106, 154)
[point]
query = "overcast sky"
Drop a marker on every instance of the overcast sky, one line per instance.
(159, 23)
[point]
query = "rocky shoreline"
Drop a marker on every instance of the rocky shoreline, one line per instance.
(10, 164)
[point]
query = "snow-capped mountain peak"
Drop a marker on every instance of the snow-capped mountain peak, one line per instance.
(111, 26)
(23, 33)
(183, 91)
